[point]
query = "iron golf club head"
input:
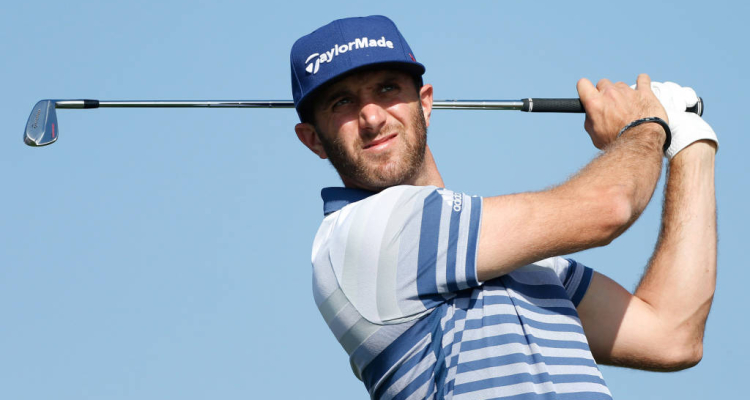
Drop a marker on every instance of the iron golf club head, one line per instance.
(42, 129)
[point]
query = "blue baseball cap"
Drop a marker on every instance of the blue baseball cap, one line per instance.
(343, 46)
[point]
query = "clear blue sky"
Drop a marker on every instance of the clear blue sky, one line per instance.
(165, 254)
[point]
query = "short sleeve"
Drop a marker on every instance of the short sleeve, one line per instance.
(575, 277)
(404, 251)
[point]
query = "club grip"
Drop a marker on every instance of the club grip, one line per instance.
(575, 106)
(553, 105)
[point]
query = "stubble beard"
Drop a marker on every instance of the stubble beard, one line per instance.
(371, 173)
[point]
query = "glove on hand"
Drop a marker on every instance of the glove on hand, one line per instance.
(686, 127)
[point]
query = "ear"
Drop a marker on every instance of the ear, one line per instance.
(309, 137)
(425, 96)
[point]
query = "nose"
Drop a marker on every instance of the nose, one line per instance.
(372, 117)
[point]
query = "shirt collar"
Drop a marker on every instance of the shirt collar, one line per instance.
(336, 198)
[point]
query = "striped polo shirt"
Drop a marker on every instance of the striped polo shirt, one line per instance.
(394, 277)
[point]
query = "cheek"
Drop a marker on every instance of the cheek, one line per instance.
(348, 133)
(403, 112)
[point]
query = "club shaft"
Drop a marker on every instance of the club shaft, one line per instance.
(570, 105)
(444, 104)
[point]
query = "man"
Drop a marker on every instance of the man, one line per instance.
(437, 294)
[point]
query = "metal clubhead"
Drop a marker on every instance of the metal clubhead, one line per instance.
(42, 129)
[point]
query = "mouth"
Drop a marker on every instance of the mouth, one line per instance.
(380, 143)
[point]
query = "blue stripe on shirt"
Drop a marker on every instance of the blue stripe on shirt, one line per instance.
(474, 224)
(513, 319)
(506, 338)
(572, 266)
(514, 358)
(567, 311)
(428, 250)
(450, 270)
(523, 378)
(588, 273)
(500, 381)
(505, 299)
(540, 291)
(575, 378)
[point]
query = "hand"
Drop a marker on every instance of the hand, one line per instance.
(611, 106)
(686, 127)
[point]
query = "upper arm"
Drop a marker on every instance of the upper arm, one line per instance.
(624, 330)
(522, 228)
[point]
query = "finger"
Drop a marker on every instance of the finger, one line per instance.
(686, 94)
(691, 98)
(643, 82)
(586, 89)
(672, 98)
(603, 83)
(658, 88)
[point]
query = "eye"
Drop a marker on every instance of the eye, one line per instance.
(388, 87)
(341, 102)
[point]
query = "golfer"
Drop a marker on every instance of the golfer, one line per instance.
(437, 294)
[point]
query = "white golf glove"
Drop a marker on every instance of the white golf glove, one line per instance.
(686, 127)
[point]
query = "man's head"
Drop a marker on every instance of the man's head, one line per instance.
(359, 94)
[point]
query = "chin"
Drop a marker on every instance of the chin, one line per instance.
(384, 179)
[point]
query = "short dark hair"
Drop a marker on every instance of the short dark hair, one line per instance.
(307, 109)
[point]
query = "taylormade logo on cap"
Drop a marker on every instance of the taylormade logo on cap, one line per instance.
(353, 43)
(313, 67)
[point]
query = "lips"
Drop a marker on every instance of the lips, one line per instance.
(383, 141)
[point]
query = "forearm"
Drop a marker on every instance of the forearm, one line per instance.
(629, 168)
(681, 277)
(590, 209)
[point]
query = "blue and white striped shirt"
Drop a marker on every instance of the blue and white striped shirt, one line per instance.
(394, 276)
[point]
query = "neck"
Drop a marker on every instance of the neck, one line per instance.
(429, 176)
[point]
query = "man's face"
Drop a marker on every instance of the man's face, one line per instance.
(372, 128)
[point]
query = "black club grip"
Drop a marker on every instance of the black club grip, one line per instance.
(553, 105)
(575, 106)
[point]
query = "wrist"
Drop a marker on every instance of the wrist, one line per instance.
(652, 124)
(688, 129)
(700, 150)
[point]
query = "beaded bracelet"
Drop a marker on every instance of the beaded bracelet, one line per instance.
(657, 120)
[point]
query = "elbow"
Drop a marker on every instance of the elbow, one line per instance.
(616, 212)
(684, 357)
(659, 357)
(694, 357)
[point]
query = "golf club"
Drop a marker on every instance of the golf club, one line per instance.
(42, 128)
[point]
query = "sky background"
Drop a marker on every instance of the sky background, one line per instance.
(165, 253)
